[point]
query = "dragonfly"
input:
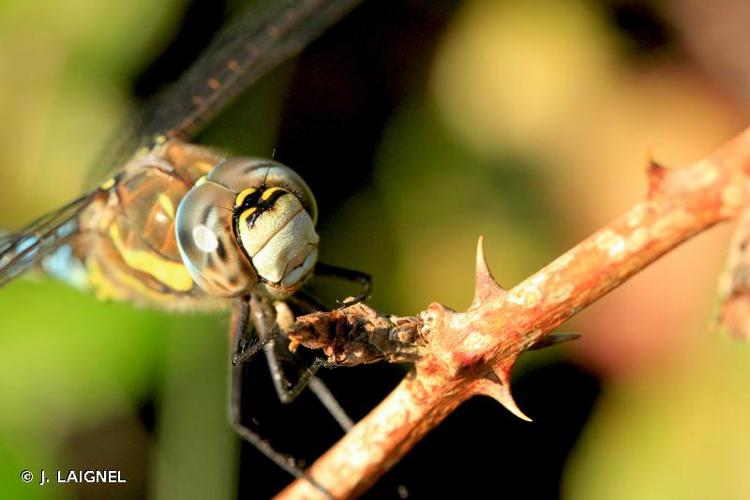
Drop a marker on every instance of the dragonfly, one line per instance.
(182, 227)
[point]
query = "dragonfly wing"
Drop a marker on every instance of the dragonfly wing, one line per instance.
(260, 39)
(25, 248)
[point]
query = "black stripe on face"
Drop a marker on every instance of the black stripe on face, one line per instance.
(250, 200)
(255, 200)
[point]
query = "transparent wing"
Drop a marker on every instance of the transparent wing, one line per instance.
(22, 249)
(264, 36)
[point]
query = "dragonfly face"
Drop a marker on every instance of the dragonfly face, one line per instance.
(249, 224)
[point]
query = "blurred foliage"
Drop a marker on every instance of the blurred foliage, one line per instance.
(81, 362)
(680, 433)
(66, 66)
(533, 130)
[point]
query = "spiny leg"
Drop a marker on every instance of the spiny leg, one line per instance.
(235, 411)
(360, 277)
(286, 390)
(264, 318)
(246, 340)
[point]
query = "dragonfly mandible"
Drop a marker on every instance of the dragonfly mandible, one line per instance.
(180, 227)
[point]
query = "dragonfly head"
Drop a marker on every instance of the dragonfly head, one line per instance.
(248, 224)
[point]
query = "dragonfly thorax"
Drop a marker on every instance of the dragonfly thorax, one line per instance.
(248, 224)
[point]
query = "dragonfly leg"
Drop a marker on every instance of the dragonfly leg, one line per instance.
(286, 390)
(247, 342)
(360, 277)
(305, 300)
(243, 329)
(264, 318)
(246, 433)
(332, 405)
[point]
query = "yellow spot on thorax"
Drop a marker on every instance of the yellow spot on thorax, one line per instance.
(104, 289)
(172, 274)
(166, 204)
(111, 289)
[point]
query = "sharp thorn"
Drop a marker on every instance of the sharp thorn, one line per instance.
(485, 287)
(656, 173)
(554, 339)
(497, 386)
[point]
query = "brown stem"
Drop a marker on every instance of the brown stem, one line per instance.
(473, 352)
(734, 287)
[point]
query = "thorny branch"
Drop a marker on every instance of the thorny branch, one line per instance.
(463, 354)
(734, 286)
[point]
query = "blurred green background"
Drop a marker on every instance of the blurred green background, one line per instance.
(529, 123)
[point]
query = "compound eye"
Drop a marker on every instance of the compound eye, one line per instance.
(206, 241)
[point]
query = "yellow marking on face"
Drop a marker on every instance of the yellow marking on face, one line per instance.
(246, 215)
(107, 184)
(242, 195)
(268, 192)
(166, 204)
(172, 274)
(160, 139)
